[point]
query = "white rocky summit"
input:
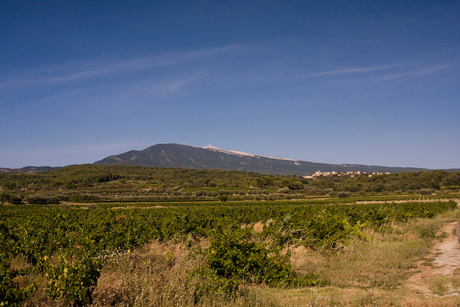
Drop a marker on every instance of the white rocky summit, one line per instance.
(241, 154)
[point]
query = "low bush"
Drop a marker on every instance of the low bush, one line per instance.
(42, 199)
(10, 294)
(5, 197)
(234, 257)
(425, 191)
(74, 280)
(343, 194)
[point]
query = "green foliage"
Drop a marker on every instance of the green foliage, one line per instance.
(425, 191)
(16, 200)
(68, 243)
(222, 197)
(73, 279)
(343, 194)
(42, 199)
(234, 256)
(10, 294)
(5, 197)
(204, 282)
(102, 183)
(284, 190)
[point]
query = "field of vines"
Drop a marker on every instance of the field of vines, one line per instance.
(65, 247)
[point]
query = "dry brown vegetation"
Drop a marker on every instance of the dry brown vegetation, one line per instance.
(379, 272)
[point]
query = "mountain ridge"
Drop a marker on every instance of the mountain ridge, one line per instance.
(210, 157)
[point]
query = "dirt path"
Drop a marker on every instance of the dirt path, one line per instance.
(406, 201)
(439, 273)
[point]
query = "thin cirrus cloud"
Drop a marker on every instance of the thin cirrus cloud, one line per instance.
(352, 70)
(150, 89)
(290, 73)
(416, 73)
(86, 70)
(201, 67)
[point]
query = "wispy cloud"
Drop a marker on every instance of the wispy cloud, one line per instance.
(176, 85)
(416, 73)
(352, 70)
(151, 89)
(290, 73)
(146, 63)
(87, 70)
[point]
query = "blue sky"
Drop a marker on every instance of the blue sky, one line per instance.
(364, 82)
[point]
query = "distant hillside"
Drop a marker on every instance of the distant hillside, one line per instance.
(189, 157)
(27, 169)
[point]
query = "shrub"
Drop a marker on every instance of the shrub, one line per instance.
(63, 197)
(233, 256)
(212, 193)
(225, 192)
(75, 280)
(343, 194)
(425, 191)
(223, 197)
(42, 199)
(199, 193)
(16, 200)
(5, 197)
(10, 294)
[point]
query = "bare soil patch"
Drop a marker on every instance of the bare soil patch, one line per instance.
(405, 201)
(439, 272)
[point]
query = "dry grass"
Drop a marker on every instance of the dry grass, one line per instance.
(385, 261)
(374, 272)
(158, 274)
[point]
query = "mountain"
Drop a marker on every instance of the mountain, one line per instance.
(209, 157)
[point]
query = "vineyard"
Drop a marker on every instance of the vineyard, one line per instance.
(68, 246)
(130, 236)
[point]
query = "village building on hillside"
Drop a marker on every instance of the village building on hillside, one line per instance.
(351, 174)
